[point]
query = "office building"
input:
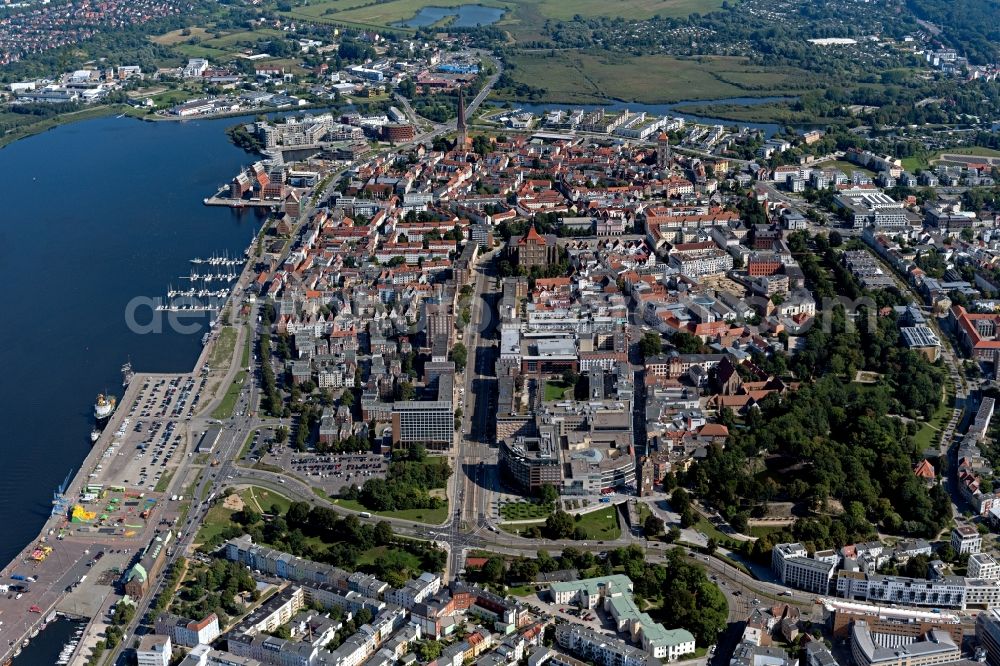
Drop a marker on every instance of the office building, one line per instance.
(966, 539)
(937, 647)
(154, 650)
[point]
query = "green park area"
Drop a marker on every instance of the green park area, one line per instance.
(228, 404)
(317, 533)
(430, 516)
(929, 435)
(600, 525)
(220, 517)
(525, 510)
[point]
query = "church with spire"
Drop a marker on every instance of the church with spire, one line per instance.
(462, 138)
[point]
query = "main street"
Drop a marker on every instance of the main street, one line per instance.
(474, 476)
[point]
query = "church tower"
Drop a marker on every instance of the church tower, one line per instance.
(462, 132)
(663, 151)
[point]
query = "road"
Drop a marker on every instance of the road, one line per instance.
(474, 480)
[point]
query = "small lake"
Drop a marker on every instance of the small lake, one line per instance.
(670, 109)
(466, 16)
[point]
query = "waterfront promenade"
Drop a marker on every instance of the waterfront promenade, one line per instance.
(74, 546)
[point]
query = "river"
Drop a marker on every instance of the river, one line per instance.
(769, 129)
(97, 213)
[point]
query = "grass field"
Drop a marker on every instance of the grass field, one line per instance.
(373, 555)
(222, 352)
(235, 40)
(765, 530)
(847, 167)
(225, 408)
(710, 530)
(199, 51)
(261, 499)
(589, 77)
(556, 390)
(164, 481)
(911, 164)
(601, 524)
(524, 17)
(216, 520)
(245, 361)
(429, 516)
(634, 9)
(517, 528)
(175, 37)
(376, 14)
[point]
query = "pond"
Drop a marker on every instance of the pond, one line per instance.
(466, 16)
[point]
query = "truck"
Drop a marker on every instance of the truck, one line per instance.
(17, 577)
(365, 514)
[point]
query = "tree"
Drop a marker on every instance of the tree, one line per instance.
(680, 500)
(947, 553)
(405, 391)
(686, 343)
(651, 344)
(688, 517)
(280, 434)
(382, 533)
(559, 525)
(547, 494)
(652, 526)
(494, 569)
(458, 355)
(429, 650)
(836, 240)
(691, 601)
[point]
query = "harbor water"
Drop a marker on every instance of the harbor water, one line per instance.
(100, 217)
(46, 648)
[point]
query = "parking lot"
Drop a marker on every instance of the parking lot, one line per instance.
(143, 448)
(329, 471)
(176, 397)
(595, 619)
